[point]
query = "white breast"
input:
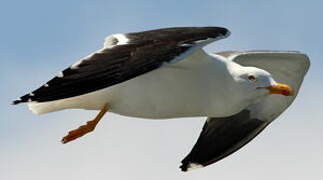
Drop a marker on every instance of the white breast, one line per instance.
(192, 87)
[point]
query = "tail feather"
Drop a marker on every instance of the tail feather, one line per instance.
(39, 108)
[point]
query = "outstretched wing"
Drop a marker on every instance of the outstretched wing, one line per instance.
(222, 136)
(288, 67)
(124, 57)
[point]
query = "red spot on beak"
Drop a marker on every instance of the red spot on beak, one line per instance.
(282, 89)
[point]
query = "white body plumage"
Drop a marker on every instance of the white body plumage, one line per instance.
(196, 86)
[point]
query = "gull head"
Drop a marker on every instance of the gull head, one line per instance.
(259, 82)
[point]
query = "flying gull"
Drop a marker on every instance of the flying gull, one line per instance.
(165, 73)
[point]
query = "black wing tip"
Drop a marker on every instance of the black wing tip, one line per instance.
(23, 99)
(219, 31)
(222, 32)
(210, 31)
(216, 32)
(184, 166)
(226, 32)
(18, 101)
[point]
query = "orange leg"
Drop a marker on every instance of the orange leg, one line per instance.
(84, 129)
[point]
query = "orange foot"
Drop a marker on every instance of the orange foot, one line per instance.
(79, 132)
(84, 129)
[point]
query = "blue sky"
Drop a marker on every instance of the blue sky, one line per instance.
(40, 38)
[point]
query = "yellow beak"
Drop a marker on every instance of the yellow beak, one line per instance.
(282, 89)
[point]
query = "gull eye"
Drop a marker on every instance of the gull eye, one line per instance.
(252, 78)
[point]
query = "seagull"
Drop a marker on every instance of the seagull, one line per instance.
(165, 73)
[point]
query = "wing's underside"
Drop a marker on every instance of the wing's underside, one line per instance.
(222, 136)
(288, 67)
(124, 57)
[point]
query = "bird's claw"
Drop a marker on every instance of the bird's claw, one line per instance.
(79, 132)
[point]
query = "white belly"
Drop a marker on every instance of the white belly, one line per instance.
(164, 93)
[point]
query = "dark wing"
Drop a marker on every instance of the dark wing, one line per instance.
(124, 57)
(222, 136)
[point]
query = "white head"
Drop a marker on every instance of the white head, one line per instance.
(258, 82)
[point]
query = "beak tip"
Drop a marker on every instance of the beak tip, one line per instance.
(287, 93)
(282, 89)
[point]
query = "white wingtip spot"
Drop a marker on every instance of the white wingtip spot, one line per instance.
(31, 94)
(122, 39)
(60, 75)
(192, 166)
(76, 65)
(46, 85)
(115, 40)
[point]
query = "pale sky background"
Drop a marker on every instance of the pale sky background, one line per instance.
(40, 38)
